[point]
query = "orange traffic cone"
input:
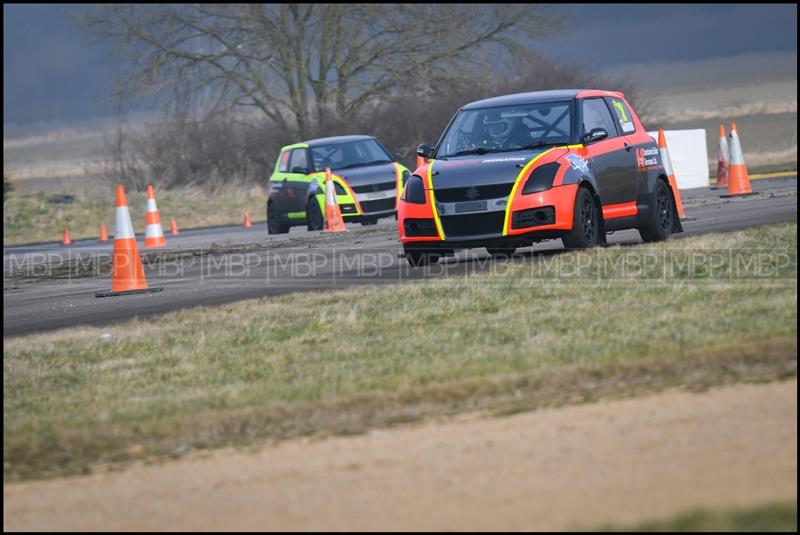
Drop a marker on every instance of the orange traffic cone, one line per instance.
(103, 233)
(667, 161)
(127, 273)
(66, 240)
(153, 234)
(333, 215)
(738, 179)
(174, 230)
(723, 159)
(247, 223)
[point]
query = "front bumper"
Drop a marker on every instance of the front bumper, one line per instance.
(368, 216)
(521, 225)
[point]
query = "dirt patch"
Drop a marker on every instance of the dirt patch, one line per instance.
(619, 461)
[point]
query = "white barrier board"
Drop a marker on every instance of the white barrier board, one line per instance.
(689, 155)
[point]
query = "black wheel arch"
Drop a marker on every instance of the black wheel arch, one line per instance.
(590, 185)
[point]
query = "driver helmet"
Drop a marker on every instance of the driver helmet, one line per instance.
(497, 128)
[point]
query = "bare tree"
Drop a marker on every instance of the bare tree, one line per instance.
(302, 66)
(120, 161)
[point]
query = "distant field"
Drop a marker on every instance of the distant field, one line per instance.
(31, 217)
(342, 362)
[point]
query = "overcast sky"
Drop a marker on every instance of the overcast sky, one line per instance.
(52, 73)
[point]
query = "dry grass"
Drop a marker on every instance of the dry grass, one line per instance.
(773, 517)
(345, 361)
(31, 218)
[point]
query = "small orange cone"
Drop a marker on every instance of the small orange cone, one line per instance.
(66, 240)
(333, 215)
(667, 161)
(247, 223)
(127, 273)
(723, 159)
(153, 234)
(738, 179)
(103, 233)
(174, 230)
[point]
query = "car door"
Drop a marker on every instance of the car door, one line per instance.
(295, 186)
(277, 193)
(641, 142)
(612, 159)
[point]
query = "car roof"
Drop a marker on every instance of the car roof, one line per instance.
(536, 96)
(335, 139)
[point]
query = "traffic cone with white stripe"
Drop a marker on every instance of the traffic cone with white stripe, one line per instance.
(153, 233)
(723, 159)
(667, 161)
(333, 215)
(127, 272)
(738, 179)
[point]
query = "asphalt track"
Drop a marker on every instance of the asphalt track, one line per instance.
(238, 263)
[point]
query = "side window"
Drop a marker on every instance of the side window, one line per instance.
(298, 159)
(623, 115)
(596, 115)
(283, 166)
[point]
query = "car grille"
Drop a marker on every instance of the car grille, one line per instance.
(474, 193)
(473, 224)
(380, 205)
(383, 186)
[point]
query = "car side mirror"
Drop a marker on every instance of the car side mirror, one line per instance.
(595, 134)
(300, 170)
(425, 150)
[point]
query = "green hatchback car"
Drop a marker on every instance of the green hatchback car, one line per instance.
(367, 179)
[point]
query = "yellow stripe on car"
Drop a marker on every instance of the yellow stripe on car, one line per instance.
(521, 174)
(433, 201)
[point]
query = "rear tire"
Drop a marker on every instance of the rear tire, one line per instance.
(501, 253)
(274, 225)
(418, 258)
(662, 215)
(586, 228)
(314, 217)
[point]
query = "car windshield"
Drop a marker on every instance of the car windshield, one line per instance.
(349, 154)
(507, 128)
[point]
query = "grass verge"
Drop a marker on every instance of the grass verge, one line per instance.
(32, 218)
(346, 361)
(771, 517)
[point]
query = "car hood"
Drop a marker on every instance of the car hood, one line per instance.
(483, 170)
(373, 174)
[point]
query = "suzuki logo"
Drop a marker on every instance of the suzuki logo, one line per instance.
(471, 193)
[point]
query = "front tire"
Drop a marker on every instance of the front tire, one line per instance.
(274, 225)
(662, 216)
(586, 228)
(314, 217)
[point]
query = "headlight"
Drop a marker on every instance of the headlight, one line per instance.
(336, 187)
(541, 179)
(414, 191)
